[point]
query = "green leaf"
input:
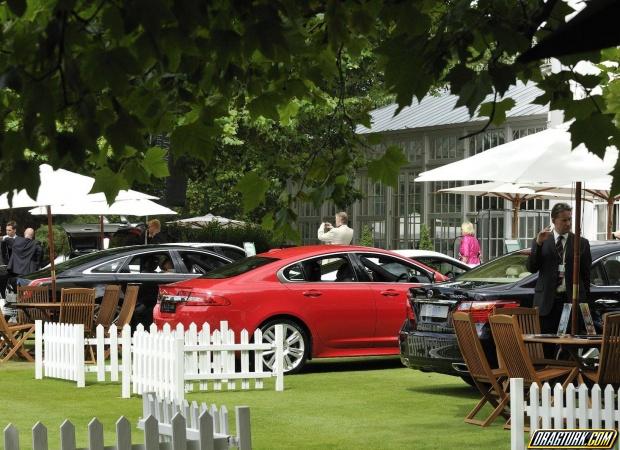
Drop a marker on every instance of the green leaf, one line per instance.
(18, 7)
(253, 189)
(386, 168)
(109, 183)
(194, 139)
(265, 105)
(501, 108)
(593, 132)
(155, 162)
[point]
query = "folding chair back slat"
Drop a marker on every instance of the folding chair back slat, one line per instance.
(12, 338)
(108, 305)
(487, 382)
(529, 322)
(77, 305)
(129, 304)
(509, 341)
(609, 362)
(32, 294)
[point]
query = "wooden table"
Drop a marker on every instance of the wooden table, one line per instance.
(571, 344)
(51, 309)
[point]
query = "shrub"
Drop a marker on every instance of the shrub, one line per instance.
(366, 238)
(61, 242)
(215, 232)
(425, 243)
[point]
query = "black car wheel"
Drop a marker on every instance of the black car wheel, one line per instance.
(296, 345)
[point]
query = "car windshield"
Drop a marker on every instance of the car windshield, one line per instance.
(238, 267)
(506, 269)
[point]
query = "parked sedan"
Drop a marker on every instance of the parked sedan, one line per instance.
(332, 300)
(427, 339)
(149, 265)
(447, 265)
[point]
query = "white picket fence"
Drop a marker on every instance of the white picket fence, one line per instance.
(560, 409)
(179, 436)
(205, 423)
(167, 362)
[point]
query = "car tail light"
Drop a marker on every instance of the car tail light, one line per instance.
(40, 281)
(208, 300)
(480, 311)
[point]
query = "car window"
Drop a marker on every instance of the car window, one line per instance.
(384, 268)
(109, 267)
(506, 269)
(197, 262)
(239, 267)
(597, 276)
(330, 268)
(440, 265)
(611, 267)
(233, 253)
(153, 262)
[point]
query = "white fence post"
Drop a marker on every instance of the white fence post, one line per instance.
(79, 355)
(38, 349)
(279, 362)
(516, 414)
(178, 364)
(127, 366)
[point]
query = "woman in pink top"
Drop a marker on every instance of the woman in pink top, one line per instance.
(469, 250)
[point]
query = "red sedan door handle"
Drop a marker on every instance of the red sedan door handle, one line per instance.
(312, 293)
(390, 293)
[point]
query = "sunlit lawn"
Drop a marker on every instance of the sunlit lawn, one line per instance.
(335, 404)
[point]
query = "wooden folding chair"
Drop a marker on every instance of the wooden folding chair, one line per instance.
(529, 322)
(129, 304)
(77, 305)
(12, 339)
(514, 356)
(108, 306)
(609, 361)
(490, 382)
(32, 294)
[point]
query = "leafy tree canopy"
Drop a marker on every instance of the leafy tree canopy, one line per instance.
(83, 83)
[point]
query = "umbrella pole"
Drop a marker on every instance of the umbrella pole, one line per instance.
(101, 230)
(610, 218)
(516, 202)
(576, 250)
(50, 241)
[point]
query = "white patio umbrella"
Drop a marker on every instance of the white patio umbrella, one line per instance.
(196, 222)
(594, 189)
(514, 193)
(544, 157)
(54, 186)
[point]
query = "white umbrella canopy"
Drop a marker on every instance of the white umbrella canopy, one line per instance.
(597, 189)
(515, 193)
(543, 157)
(199, 221)
(129, 207)
(56, 186)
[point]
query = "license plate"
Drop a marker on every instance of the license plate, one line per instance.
(440, 311)
(168, 307)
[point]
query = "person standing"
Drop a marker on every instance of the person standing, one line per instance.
(6, 245)
(26, 255)
(552, 257)
(339, 234)
(469, 250)
(153, 233)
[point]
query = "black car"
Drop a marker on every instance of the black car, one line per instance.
(148, 265)
(427, 339)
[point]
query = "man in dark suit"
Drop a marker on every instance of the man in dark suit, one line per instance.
(552, 258)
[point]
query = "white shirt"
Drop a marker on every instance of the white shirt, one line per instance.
(555, 238)
(337, 235)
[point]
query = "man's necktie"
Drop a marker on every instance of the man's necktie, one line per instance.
(560, 248)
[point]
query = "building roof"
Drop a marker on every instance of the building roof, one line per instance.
(435, 110)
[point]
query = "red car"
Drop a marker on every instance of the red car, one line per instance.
(333, 300)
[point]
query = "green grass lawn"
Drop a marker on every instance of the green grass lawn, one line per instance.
(335, 404)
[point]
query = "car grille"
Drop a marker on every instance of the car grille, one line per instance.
(434, 327)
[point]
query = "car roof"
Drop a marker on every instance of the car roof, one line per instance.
(311, 250)
(204, 244)
(412, 253)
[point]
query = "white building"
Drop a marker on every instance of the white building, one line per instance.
(431, 132)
